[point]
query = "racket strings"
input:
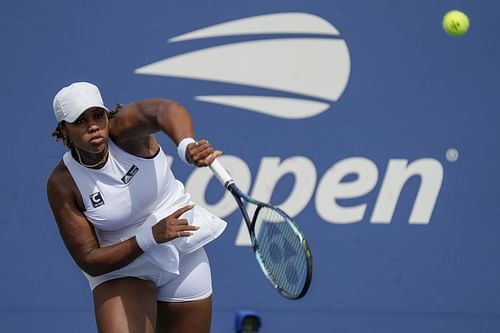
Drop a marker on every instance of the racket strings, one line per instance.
(280, 251)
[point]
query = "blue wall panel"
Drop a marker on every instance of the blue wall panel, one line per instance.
(403, 109)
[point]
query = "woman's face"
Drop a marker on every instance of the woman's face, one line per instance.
(90, 131)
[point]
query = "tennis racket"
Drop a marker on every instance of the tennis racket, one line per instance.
(279, 246)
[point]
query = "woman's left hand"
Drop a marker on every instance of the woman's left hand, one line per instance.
(201, 153)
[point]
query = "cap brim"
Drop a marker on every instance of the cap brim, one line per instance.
(73, 118)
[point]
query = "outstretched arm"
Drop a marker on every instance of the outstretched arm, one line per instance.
(134, 126)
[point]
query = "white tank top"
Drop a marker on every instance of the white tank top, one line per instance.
(119, 197)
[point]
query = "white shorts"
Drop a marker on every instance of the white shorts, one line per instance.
(194, 281)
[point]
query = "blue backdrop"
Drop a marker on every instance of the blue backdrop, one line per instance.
(379, 132)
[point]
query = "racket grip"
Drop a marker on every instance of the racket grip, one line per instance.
(221, 173)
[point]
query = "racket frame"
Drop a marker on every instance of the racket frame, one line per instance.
(241, 198)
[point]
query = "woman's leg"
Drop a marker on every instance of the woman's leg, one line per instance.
(125, 305)
(185, 317)
(185, 302)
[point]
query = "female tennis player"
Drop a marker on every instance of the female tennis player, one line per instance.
(124, 218)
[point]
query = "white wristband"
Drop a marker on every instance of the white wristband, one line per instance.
(145, 239)
(181, 148)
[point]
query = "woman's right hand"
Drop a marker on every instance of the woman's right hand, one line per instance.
(172, 227)
(201, 153)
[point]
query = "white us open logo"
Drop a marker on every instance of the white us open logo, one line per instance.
(315, 68)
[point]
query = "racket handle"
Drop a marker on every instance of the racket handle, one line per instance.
(221, 173)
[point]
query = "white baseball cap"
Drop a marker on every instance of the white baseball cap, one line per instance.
(71, 101)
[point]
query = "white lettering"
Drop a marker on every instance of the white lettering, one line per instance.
(336, 184)
(398, 173)
(331, 188)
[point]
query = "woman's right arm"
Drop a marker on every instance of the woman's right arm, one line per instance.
(78, 234)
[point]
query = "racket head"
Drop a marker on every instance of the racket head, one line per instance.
(280, 247)
(282, 251)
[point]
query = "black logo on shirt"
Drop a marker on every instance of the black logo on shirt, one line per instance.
(96, 199)
(130, 174)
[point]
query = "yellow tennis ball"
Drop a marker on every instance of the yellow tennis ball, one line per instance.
(455, 23)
